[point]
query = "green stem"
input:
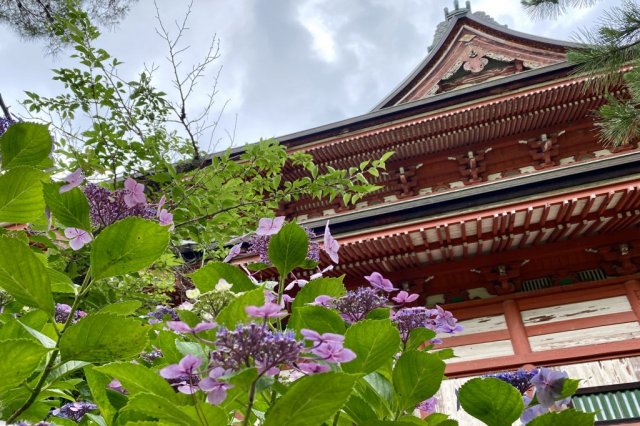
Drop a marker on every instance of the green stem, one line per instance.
(252, 396)
(335, 418)
(51, 363)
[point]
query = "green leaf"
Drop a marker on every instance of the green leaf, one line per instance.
(418, 336)
(20, 358)
(317, 318)
(375, 342)
(97, 383)
(288, 248)
(234, 312)
(128, 307)
(311, 400)
(492, 401)
(70, 208)
(569, 387)
(60, 282)
(161, 408)
(136, 378)
(24, 276)
(25, 144)
(207, 277)
(566, 417)
(127, 246)
(21, 199)
(416, 377)
(322, 286)
(103, 337)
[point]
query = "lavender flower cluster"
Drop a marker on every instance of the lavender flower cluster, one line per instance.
(520, 379)
(62, 313)
(253, 343)
(358, 303)
(107, 207)
(161, 313)
(74, 410)
(437, 319)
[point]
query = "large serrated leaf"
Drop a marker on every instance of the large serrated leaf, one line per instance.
(375, 342)
(208, 276)
(127, 246)
(20, 358)
(25, 144)
(416, 377)
(21, 199)
(103, 338)
(70, 208)
(311, 400)
(24, 276)
(492, 401)
(288, 248)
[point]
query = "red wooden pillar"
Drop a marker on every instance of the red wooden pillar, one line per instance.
(517, 332)
(633, 294)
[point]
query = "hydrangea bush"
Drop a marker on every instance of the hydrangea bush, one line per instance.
(287, 351)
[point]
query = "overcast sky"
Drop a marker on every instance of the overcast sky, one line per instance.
(288, 65)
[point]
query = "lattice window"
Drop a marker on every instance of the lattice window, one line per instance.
(592, 275)
(537, 284)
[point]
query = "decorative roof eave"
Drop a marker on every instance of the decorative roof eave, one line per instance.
(355, 225)
(306, 139)
(455, 25)
(490, 117)
(588, 212)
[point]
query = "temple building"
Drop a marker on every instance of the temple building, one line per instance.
(502, 205)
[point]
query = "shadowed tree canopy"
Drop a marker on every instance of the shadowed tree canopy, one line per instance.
(33, 19)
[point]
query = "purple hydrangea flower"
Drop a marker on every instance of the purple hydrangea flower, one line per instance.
(333, 352)
(403, 297)
(77, 237)
(185, 371)
(356, 304)
(520, 379)
(438, 320)
(106, 207)
(62, 313)
(161, 313)
(548, 385)
(134, 193)
(269, 226)
(216, 389)
(379, 282)
(151, 356)
(74, 410)
(73, 180)
(254, 345)
(235, 250)
(331, 245)
(182, 327)
(428, 406)
(313, 367)
(323, 300)
(268, 310)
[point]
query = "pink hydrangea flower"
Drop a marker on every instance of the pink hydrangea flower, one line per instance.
(268, 226)
(77, 237)
(216, 390)
(404, 297)
(313, 368)
(235, 250)
(134, 193)
(73, 180)
(381, 283)
(331, 245)
(182, 327)
(268, 310)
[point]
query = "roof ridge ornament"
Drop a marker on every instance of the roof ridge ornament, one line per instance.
(457, 10)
